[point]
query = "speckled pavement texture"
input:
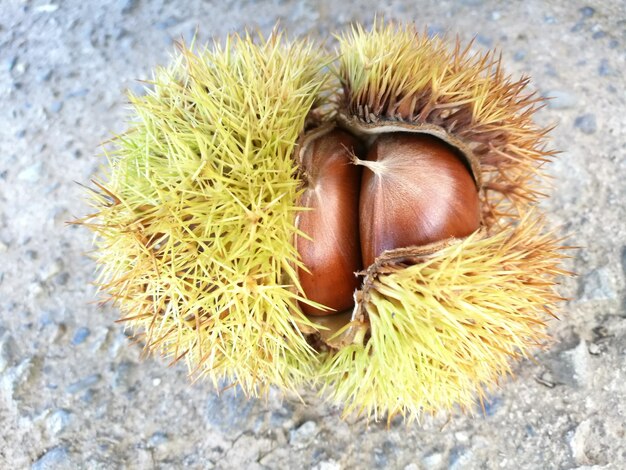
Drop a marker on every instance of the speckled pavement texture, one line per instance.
(76, 393)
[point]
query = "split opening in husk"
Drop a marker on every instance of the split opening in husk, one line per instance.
(339, 329)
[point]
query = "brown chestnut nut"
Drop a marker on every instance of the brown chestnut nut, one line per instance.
(333, 254)
(415, 190)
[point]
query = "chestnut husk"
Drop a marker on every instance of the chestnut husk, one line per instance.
(433, 327)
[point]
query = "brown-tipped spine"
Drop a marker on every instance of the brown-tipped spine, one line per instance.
(333, 255)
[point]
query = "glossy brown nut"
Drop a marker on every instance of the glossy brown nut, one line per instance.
(415, 190)
(333, 254)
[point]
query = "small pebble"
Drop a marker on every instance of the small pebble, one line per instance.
(83, 384)
(579, 358)
(551, 70)
(35, 289)
(587, 12)
(80, 336)
(598, 35)
(55, 458)
(16, 377)
(568, 368)
(46, 319)
(281, 418)
(586, 123)
(319, 454)
(303, 435)
(380, 459)
(191, 460)
(51, 270)
(19, 69)
(57, 332)
(600, 332)
(11, 62)
(329, 465)
(47, 8)
(229, 411)
(519, 55)
(56, 106)
(484, 40)
(382, 455)
(120, 33)
(458, 458)
(62, 278)
(547, 380)
(58, 421)
(125, 375)
(594, 349)
(560, 99)
(491, 405)
(579, 441)
(167, 23)
(605, 69)
(157, 439)
(127, 6)
(432, 461)
(577, 27)
(87, 397)
(80, 93)
(32, 173)
(111, 339)
(52, 187)
(45, 75)
(8, 350)
(597, 285)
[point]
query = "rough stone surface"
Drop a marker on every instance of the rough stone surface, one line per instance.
(586, 123)
(76, 393)
(54, 459)
(560, 99)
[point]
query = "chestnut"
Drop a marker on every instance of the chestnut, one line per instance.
(332, 253)
(415, 190)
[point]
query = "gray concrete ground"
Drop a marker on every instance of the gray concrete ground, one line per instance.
(74, 393)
